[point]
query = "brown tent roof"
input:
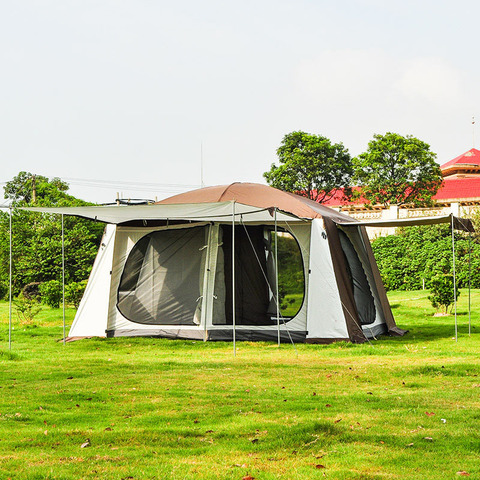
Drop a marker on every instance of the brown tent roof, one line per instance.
(258, 195)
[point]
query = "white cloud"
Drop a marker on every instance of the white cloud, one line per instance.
(354, 76)
(432, 80)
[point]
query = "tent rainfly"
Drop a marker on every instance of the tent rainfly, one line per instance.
(204, 265)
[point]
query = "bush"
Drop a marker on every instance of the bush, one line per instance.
(3, 290)
(51, 293)
(74, 292)
(419, 253)
(32, 291)
(442, 294)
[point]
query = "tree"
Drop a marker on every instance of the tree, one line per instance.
(310, 165)
(397, 170)
(442, 291)
(37, 242)
(27, 188)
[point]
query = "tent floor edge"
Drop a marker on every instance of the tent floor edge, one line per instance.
(219, 335)
(397, 332)
(326, 341)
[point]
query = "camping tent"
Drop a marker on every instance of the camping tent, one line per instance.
(204, 265)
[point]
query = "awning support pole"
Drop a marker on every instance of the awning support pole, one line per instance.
(233, 278)
(454, 282)
(276, 279)
(469, 284)
(10, 284)
(63, 278)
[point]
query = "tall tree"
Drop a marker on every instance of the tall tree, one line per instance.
(27, 188)
(37, 247)
(397, 170)
(310, 165)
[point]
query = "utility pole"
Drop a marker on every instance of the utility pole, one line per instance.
(34, 190)
(473, 132)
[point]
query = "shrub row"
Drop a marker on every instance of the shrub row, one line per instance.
(411, 259)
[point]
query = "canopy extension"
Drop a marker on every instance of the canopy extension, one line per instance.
(209, 212)
(458, 223)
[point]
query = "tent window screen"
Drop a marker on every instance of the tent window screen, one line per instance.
(255, 276)
(161, 280)
(291, 277)
(361, 288)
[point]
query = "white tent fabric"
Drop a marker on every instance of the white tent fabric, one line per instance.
(94, 307)
(212, 212)
(323, 318)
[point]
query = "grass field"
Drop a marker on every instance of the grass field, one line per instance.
(399, 408)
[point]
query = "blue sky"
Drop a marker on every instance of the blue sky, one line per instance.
(121, 95)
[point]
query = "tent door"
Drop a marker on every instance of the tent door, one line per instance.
(210, 293)
(361, 287)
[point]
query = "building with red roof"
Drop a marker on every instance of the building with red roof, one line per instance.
(458, 194)
(461, 185)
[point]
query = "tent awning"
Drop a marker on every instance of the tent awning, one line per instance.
(458, 223)
(220, 211)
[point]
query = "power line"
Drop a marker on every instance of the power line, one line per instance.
(119, 185)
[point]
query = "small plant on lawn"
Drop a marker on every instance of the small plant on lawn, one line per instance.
(51, 293)
(27, 308)
(442, 294)
(74, 292)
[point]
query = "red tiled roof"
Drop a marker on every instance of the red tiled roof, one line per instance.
(453, 188)
(472, 157)
(457, 188)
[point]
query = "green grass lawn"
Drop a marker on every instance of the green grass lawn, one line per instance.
(398, 408)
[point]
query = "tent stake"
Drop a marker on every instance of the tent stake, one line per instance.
(454, 282)
(63, 278)
(10, 286)
(276, 279)
(233, 278)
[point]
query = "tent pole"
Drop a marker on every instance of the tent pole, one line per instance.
(233, 278)
(10, 285)
(203, 315)
(63, 278)
(276, 279)
(454, 282)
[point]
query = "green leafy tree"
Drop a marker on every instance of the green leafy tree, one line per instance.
(31, 189)
(37, 241)
(397, 170)
(310, 165)
(442, 292)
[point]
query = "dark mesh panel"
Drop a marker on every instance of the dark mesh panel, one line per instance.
(160, 283)
(361, 289)
(251, 289)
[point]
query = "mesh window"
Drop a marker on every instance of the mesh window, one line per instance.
(361, 288)
(161, 280)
